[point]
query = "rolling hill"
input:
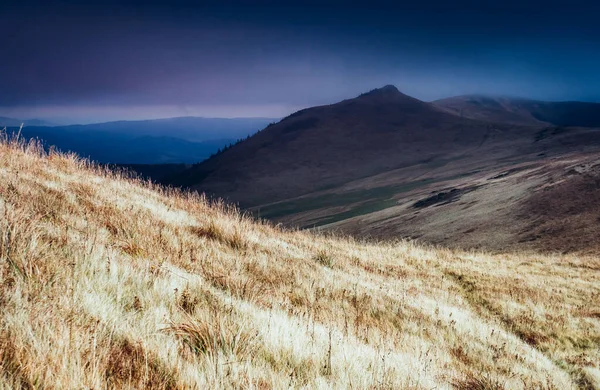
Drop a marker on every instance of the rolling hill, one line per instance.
(107, 282)
(523, 111)
(386, 166)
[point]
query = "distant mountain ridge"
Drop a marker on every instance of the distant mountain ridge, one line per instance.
(523, 111)
(190, 128)
(12, 122)
(163, 141)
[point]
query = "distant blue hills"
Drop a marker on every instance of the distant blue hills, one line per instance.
(12, 122)
(161, 141)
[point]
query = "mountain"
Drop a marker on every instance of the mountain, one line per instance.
(11, 122)
(162, 141)
(109, 147)
(523, 111)
(194, 129)
(387, 166)
(331, 145)
(115, 284)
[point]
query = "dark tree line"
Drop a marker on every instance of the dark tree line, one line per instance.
(228, 146)
(232, 144)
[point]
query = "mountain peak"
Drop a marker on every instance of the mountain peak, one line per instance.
(387, 90)
(387, 93)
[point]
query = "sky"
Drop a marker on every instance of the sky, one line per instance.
(91, 61)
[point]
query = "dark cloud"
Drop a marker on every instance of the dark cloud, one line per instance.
(67, 53)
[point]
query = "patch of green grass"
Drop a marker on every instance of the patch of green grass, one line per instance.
(334, 200)
(361, 202)
(362, 209)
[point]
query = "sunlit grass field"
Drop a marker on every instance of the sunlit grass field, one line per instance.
(110, 282)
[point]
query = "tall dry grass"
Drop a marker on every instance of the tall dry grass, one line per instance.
(111, 282)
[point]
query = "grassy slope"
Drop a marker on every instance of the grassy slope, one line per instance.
(108, 282)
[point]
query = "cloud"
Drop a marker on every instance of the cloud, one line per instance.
(110, 54)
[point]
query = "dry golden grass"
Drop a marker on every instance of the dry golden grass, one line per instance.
(109, 282)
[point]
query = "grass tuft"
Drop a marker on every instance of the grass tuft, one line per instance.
(323, 258)
(473, 382)
(214, 335)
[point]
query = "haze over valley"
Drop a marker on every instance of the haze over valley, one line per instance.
(159, 141)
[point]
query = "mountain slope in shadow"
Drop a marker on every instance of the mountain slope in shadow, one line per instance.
(328, 146)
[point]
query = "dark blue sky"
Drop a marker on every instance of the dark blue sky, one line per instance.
(90, 61)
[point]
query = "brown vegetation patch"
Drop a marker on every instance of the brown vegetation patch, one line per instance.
(128, 365)
(461, 355)
(213, 335)
(50, 204)
(212, 231)
(443, 197)
(13, 363)
(564, 215)
(188, 301)
(235, 282)
(133, 248)
(530, 336)
(474, 382)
